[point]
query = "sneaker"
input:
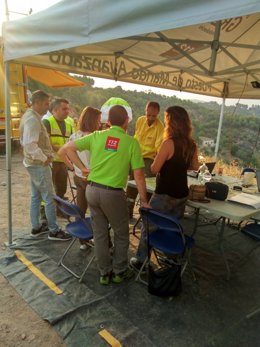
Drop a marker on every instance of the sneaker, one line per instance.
(59, 235)
(85, 244)
(42, 230)
(83, 247)
(136, 264)
(119, 278)
(105, 279)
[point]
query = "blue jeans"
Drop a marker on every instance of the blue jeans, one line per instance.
(165, 204)
(42, 190)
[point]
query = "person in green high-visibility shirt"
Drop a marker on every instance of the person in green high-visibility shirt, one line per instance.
(149, 134)
(113, 152)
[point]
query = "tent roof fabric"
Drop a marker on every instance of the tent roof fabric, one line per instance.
(52, 78)
(205, 47)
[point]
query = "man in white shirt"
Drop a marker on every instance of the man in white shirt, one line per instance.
(38, 155)
(47, 115)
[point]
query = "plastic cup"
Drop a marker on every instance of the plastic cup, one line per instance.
(220, 171)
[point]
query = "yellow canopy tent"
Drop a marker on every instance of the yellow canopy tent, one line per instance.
(52, 78)
(18, 74)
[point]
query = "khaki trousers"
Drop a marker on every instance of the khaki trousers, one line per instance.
(81, 185)
(109, 207)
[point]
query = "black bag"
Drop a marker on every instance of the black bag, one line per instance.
(165, 281)
(216, 190)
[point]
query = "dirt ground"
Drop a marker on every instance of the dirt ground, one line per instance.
(20, 326)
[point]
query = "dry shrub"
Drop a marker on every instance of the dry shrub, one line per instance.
(232, 169)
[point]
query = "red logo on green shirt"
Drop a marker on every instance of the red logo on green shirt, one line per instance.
(112, 143)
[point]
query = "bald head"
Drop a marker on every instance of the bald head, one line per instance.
(117, 115)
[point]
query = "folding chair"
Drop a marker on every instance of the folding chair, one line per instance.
(78, 229)
(166, 239)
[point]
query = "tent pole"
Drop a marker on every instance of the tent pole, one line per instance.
(219, 127)
(215, 47)
(8, 145)
(6, 11)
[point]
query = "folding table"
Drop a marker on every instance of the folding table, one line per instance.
(222, 209)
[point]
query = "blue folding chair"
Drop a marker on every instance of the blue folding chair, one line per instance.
(78, 229)
(166, 239)
(252, 230)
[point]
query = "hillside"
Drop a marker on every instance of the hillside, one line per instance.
(240, 129)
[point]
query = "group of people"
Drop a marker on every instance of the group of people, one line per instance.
(103, 161)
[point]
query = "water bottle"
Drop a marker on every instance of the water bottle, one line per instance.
(203, 168)
(200, 178)
(206, 176)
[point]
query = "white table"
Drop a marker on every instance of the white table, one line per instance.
(222, 209)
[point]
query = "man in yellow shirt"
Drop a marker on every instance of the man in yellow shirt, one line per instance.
(149, 133)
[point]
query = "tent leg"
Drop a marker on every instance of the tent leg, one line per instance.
(8, 153)
(219, 127)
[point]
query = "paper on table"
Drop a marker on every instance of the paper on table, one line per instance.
(246, 199)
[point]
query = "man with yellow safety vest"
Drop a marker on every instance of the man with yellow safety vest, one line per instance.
(59, 129)
(149, 133)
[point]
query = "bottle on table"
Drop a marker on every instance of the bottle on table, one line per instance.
(202, 169)
(206, 176)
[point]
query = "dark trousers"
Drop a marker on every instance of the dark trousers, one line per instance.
(132, 192)
(81, 185)
(59, 178)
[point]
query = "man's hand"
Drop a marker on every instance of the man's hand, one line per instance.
(145, 205)
(85, 172)
(47, 162)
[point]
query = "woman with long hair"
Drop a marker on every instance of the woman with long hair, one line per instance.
(178, 153)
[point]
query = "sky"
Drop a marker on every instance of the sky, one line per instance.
(20, 8)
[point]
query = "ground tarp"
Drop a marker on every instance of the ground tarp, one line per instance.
(210, 312)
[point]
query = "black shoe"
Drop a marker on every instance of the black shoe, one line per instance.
(59, 235)
(136, 264)
(42, 230)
